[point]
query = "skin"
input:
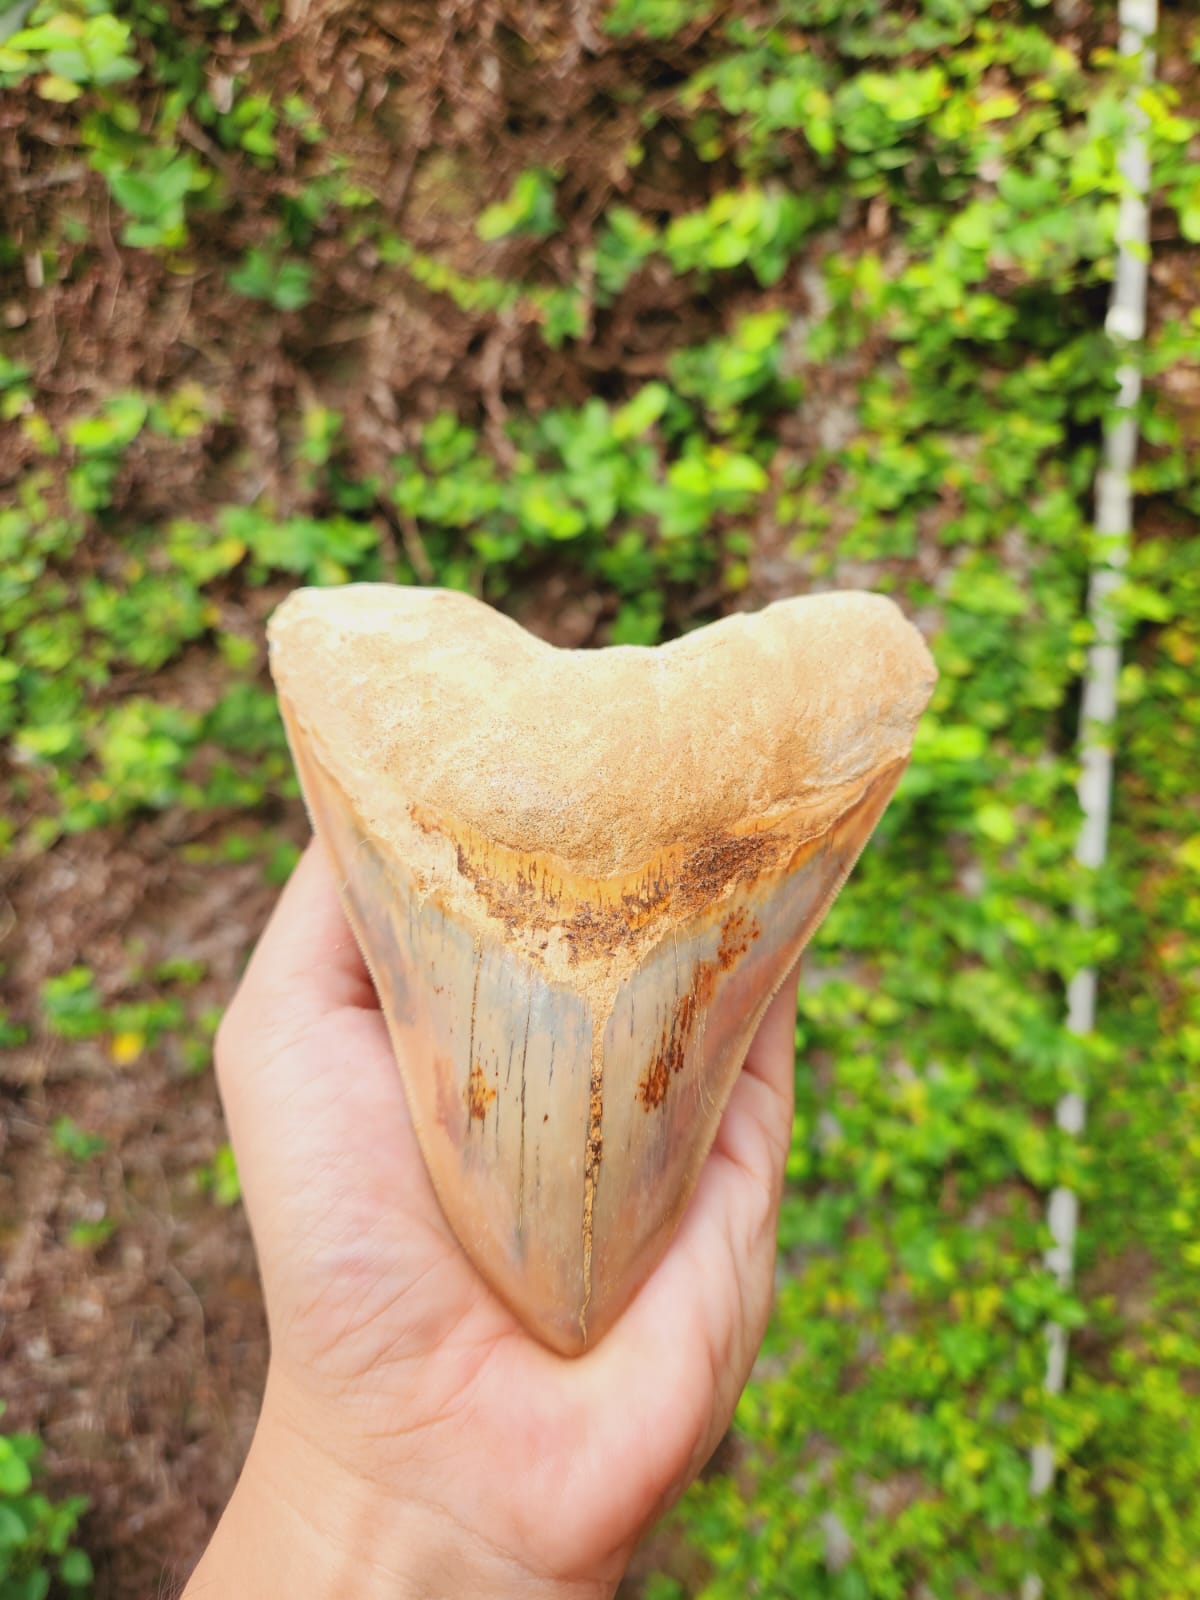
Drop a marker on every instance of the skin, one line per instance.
(414, 1440)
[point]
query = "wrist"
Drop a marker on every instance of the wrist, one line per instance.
(300, 1527)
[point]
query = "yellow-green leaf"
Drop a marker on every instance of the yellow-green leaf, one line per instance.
(52, 87)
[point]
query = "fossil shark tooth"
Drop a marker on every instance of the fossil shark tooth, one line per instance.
(578, 877)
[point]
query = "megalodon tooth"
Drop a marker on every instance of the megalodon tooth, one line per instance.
(578, 878)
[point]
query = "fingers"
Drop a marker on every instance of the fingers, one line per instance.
(771, 1056)
(311, 1091)
(756, 1131)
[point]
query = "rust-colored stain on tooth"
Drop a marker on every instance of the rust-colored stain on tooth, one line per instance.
(479, 1094)
(668, 1059)
(738, 933)
(597, 916)
(593, 1155)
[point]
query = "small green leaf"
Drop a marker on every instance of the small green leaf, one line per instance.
(642, 412)
(75, 1569)
(15, 1477)
(528, 209)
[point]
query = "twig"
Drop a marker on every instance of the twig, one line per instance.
(257, 47)
(414, 549)
(199, 140)
(50, 178)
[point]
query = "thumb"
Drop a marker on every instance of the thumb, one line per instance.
(312, 1095)
(307, 963)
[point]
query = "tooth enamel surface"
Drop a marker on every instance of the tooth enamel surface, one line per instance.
(578, 878)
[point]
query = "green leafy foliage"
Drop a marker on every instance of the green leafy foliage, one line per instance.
(827, 312)
(219, 1177)
(69, 47)
(154, 192)
(35, 1533)
(71, 1006)
(286, 285)
(528, 209)
(657, 19)
(634, 505)
(74, 1142)
(758, 228)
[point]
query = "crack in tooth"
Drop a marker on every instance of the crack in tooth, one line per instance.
(593, 1154)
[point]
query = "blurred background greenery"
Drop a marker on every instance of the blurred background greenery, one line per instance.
(621, 315)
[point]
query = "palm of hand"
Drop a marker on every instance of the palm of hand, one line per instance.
(406, 1369)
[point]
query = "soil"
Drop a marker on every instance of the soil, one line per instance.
(140, 1360)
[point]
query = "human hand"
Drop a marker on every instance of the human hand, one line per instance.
(414, 1439)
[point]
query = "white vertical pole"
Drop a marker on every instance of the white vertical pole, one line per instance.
(1125, 325)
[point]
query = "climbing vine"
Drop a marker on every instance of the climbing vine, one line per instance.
(806, 296)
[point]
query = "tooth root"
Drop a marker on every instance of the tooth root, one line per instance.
(564, 1139)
